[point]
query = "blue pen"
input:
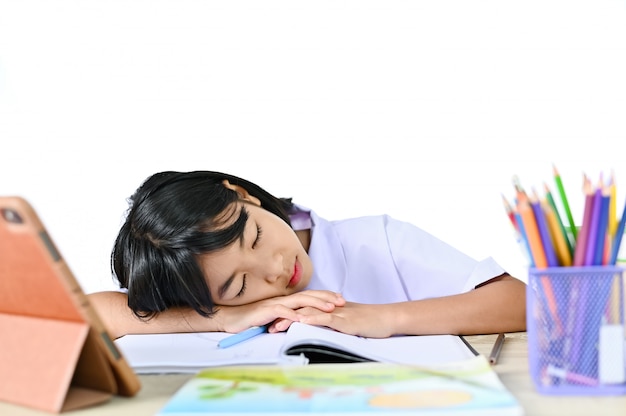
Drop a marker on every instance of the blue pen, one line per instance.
(241, 336)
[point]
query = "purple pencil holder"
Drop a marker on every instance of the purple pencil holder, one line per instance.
(575, 327)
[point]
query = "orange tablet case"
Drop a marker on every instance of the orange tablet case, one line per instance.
(55, 353)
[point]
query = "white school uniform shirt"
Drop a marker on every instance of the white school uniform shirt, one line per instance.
(378, 259)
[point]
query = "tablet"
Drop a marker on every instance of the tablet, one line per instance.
(55, 354)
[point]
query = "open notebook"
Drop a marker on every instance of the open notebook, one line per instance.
(301, 344)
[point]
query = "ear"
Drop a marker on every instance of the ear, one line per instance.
(243, 193)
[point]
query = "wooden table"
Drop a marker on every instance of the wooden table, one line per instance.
(512, 368)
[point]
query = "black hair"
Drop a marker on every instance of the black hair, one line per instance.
(172, 218)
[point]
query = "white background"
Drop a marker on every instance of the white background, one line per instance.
(424, 110)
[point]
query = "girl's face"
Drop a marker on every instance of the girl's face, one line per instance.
(269, 260)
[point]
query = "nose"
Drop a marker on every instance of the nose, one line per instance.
(273, 268)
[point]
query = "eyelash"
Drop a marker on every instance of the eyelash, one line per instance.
(243, 287)
(259, 233)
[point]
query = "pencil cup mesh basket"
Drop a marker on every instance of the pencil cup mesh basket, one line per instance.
(575, 326)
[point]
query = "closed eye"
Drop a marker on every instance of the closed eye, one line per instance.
(259, 233)
(243, 287)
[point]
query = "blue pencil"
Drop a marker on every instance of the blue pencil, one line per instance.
(603, 224)
(618, 237)
(522, 232)
(241, 336)
(544, 232)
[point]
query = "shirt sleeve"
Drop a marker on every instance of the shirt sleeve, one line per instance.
(429, 267)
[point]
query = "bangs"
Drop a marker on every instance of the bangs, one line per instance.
(220, 232)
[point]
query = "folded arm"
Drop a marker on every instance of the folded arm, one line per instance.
(119, 319)
(498, 305)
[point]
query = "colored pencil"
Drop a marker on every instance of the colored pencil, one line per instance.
(617, 240)
(581, 242)
(603, 223)
(558, 235)
(606, 254)
(521, 194)
(516, 222)
(532, 232)
(561, 227)
(568, 212)
(517, 184)
(241, 336)
(544, 232)
(510, 213)
(613, 221)
(590, 250)
(613, 207)
(518, 219)
(537, 253)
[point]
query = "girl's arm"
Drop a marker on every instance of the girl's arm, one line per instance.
(119, 319)
(498, 305)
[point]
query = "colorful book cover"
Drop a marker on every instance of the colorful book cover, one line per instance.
(468, 387)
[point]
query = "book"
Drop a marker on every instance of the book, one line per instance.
(466, 387)
(302, 344)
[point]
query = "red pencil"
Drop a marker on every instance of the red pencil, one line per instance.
(581, 242)
(510, 213)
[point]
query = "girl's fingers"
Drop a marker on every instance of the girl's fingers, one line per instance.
(312, 302)
(328, 296)
(280, 325)
(325, 301)
(281, 312)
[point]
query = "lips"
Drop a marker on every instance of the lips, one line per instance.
(297, 275)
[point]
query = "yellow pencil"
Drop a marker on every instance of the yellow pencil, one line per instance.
(562, 251)
(613, 208)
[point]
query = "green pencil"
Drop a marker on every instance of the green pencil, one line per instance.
(550, 199)
(568, 212)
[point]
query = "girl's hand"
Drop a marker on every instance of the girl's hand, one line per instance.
(373, 321)
(462, 314)
(280, 311)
